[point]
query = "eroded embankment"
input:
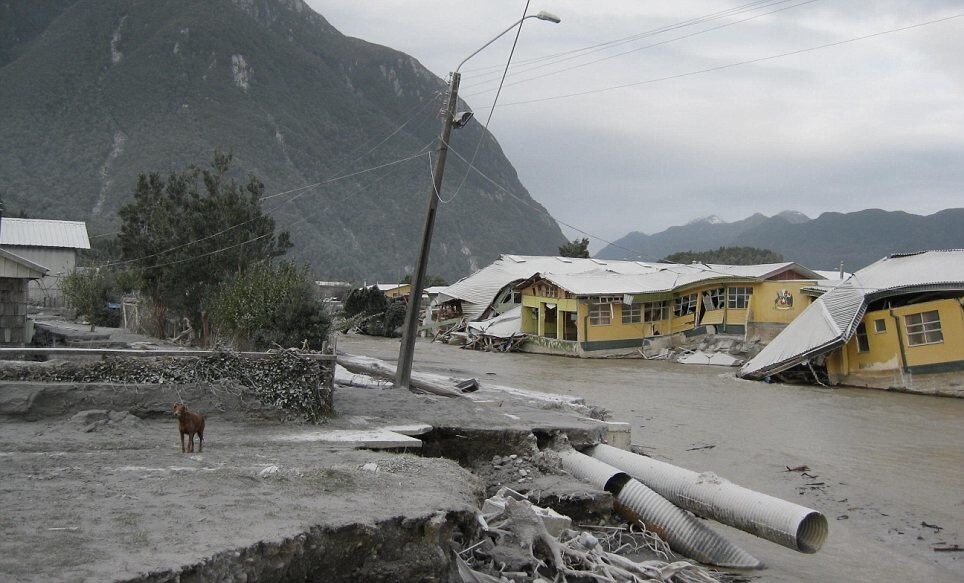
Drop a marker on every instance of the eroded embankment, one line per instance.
(111, 497)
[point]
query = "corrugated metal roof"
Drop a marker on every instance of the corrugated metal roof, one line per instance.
(832, 319)
(593, 277)
(44, 233)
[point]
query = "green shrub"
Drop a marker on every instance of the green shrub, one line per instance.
(89, 291)
(270, 306)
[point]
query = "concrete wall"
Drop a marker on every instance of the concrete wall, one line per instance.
(13, 311)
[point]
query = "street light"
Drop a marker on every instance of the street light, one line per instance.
(403, 374)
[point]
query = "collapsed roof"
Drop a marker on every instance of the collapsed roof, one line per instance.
(832, 319)
(596, 277)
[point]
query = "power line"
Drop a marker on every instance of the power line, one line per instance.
(302, 190)
(495, 100)
(732, 65)
(699, 20)
(538, 209)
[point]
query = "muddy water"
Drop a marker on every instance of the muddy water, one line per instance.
(884, 463)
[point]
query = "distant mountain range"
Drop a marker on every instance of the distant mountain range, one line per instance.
(858, 239)
(94, 92)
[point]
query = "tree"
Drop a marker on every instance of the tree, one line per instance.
(727, 256)
(271, 305)
(190, 232)
(576, 248)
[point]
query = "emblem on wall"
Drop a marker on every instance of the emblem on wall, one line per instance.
(784, 300)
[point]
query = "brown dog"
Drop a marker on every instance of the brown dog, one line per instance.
(189, 423)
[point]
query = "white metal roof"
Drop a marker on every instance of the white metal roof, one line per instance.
(832, 319)
(44, 233)
(595, 277)
(13, 265)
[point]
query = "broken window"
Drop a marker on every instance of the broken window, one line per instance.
(600, 314)
(632, 313)
(863, 345)
(713, 298)
(923, 328)
(738, 298)
(684, 305)
(656, 311)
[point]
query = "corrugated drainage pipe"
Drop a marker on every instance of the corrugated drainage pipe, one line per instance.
(683, 532)
(710, 496)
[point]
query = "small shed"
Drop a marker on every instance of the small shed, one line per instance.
(53, 244)
(15, 273)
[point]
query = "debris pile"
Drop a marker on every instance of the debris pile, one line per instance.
(284, 378)
(522, 541)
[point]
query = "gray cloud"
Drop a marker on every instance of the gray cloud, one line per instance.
(869, 124)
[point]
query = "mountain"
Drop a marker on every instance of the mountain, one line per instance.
(93, 93)
(858, 238)
(699, 235)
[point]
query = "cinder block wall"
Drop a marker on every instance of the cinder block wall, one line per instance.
(13, 311)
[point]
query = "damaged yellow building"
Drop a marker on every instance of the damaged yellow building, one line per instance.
(896, 324)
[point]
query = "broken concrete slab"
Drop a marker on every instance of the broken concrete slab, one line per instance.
(360, 438)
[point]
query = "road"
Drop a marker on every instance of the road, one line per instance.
(890, 466)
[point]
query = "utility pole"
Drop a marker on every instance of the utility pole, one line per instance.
(403, 373)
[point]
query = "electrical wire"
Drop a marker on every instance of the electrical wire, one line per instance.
(495, 101)
(415, 112)
(653, 32)
(732, 65)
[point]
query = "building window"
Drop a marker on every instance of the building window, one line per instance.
(738, 298)
(600, 314)
(923, 328)
(684, 305)
(863, 345)
(713, 298)
(880, 326)
(657, 311)
(632, 314)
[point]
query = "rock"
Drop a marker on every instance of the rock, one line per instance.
(90, 416)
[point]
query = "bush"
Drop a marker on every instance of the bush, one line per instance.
(89, 291)
(271, 306)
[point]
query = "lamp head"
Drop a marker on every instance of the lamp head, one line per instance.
(543, 15)
(461, 118)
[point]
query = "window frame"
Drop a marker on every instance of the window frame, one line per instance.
(597, 311)
(718, 295)
(880, 326)
(685, 305)
(863, 342)
(633, 311)
(658, 307)
(737, 295)
(924, 331)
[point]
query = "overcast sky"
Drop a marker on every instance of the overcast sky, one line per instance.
(653, 142)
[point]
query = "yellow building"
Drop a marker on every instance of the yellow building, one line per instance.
(896, 324)
(395, 290)
(617, 307)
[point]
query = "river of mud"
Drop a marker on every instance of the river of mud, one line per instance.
(887, 469)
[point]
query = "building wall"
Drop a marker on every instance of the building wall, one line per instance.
(60, 261)
(770, 309)
(13, 311)
(890, 361)
(775, 304)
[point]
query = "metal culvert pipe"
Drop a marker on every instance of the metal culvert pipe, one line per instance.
(785, 523)
(684, 533)
(598, 473)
